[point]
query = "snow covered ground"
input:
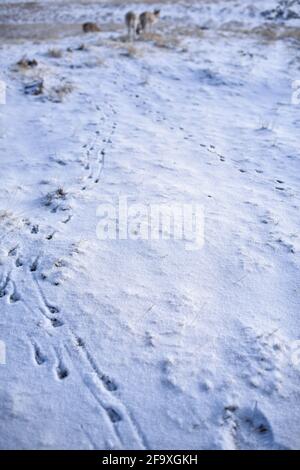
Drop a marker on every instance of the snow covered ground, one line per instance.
(122, 344)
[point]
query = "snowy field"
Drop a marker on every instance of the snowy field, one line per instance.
(136, 343)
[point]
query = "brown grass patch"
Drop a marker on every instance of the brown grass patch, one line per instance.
(58, 93)
(26, 63)
(55, 53)
(267, 32)
(131, 51)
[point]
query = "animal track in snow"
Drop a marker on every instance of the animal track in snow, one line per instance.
(67, 220)
(39, 357)
(50, 236)
(62, 371)
(4, 286)
(14, 296)
(249, 428)
(13, 251)
(19, 262)
(101, 389)
(56, 322)
(35, 229)
(95, 155)
(108, 383)
(114, 416)
(52, 309)
(34, 265)
(264, 357)
(46, 309)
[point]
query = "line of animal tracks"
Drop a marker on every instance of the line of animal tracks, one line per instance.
(138, 343)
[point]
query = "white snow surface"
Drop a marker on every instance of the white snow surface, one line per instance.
(135, 344)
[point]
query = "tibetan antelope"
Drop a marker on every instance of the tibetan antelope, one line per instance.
(147, 20)
(131, 23)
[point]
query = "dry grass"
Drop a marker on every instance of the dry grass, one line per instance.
(171, 37)
(290, 33)
(8, 218)
(61, 193)
(54, 198)
(26, 63)
(186, 31)
(131, 51)
(82, 47)
(168, 41)
(123, 39)
(96, 62)
(34, 88)
(267, 32)
(4, 214)
(55, 53)
(58, 93)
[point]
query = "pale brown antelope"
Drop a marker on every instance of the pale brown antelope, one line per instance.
(131, 21)
(147, 20)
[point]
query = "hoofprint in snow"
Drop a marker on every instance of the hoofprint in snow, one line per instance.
(120, 344)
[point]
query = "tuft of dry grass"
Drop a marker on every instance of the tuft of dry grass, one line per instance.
(182, 31)
(61, 193)
(55, 199)
(8, 218)
(4, 214)
(82, 47)
(290, 33)
(55, 53)
(26, 63)
(35, 88)
(170, 41)
(97, 62)
(267, 32)
(131, 51)
(59, 92)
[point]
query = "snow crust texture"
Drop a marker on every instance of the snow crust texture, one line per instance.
(140, 344)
